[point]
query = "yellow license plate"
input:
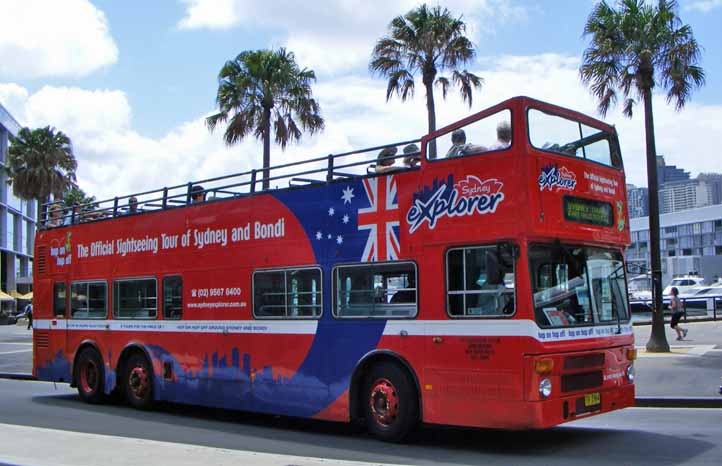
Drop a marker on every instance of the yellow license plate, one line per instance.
(592, 399)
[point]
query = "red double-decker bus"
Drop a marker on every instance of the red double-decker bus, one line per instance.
(474, 278)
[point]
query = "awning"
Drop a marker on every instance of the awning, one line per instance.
(16, 294)
(27, 296)
(5, 297)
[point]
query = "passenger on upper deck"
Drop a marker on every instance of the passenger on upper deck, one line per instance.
(503, 136)
(385, 161)
(133, 206)
(198, 194)
(412, 155)
(459, 146)
(55, 216)
(73, 216)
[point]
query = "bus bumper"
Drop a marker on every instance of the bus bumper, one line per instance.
(556, 411)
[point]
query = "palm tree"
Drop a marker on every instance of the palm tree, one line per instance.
(262, 88)
(40, 162)
(633, 49)
(426, 41)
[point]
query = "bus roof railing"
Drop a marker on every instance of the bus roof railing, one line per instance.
(327, 168)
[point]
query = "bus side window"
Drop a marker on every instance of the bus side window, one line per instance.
(88, 300)
(59, 300)
(135, 299)
(480, 282)
(172, 297)
(382, 291)
(287, 293)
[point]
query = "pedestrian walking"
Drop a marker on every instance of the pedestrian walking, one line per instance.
(29, 314)
(675, 304)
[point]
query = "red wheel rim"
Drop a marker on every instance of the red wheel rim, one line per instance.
(138, 381)
(89, 376)
(384, 402)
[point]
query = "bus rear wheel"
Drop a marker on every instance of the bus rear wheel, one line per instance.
(90, 376)
(138, 382)
(390, 403)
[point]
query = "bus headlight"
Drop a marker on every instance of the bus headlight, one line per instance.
(630, 373)
(545, 388)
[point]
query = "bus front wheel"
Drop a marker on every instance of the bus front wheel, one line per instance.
(90, 376)
(390, 404)
(138, 382)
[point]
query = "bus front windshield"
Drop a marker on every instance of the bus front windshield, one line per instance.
(574, 286)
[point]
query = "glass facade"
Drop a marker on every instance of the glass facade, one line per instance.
(10, 231)
(17, 224)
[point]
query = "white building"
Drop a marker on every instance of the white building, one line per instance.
(690, 240)
(684, 195)
(17, 224)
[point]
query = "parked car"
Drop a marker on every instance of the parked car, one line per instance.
(685, 284)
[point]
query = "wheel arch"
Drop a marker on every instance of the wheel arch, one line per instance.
(362, 368)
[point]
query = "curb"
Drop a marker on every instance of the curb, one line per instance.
(678, 402)
(6, 375)
(688, 321)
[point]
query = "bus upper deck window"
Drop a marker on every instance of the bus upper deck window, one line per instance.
(491, 133)
(554, 133)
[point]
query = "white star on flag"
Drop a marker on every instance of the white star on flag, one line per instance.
(329, 236)
(345, 219)
(339, 239)
(331, 211)
(347, 195)
(319, 235)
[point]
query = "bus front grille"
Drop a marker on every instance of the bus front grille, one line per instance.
(582, 381)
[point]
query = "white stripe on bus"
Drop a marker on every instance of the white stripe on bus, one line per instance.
(497, 328)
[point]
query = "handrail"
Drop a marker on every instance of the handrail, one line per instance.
(239, 184)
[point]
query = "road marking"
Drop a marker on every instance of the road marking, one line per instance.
(17, 351)
(74, 448)
(11, 343)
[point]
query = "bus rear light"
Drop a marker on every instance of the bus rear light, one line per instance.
(631, 354)
(543, 366)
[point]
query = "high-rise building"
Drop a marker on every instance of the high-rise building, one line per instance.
(638, 200)
(669, 173)
(684, 195)
(17, 224)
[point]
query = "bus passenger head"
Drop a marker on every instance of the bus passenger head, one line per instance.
(411, 153)
(503, 133)
(386, 156)
(458, 137)
(133, 205)
(197, 194)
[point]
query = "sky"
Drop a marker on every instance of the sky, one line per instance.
(131, 82)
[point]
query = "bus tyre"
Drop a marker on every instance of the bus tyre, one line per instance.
(138, 382)
(390, 402)
(90, 376)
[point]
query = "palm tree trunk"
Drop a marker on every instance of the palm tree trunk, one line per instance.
(266, 147)
(657, 340)
(431, 112)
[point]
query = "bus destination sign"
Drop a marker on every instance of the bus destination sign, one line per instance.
(577, 209)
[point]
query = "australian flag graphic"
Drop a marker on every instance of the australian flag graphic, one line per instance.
(349, 222)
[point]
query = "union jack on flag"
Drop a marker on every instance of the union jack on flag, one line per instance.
(381, 219)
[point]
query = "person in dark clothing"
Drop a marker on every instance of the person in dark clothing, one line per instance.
(29, 314)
